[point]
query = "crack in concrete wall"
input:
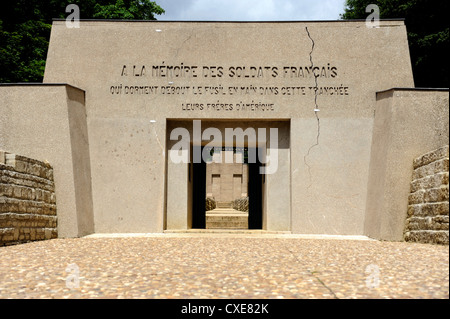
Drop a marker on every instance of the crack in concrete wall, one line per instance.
(316, 108)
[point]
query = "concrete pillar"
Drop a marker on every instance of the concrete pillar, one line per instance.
(177, 194)
(278, 194)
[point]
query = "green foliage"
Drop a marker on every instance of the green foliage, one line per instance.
(131, 9)
(428, 34)
(25, 30)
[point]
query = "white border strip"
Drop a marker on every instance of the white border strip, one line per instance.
(229, 235)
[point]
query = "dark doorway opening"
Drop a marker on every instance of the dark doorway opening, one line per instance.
(255, 193)
(198, 193)
(255, 187)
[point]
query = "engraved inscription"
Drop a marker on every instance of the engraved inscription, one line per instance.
(165, 79)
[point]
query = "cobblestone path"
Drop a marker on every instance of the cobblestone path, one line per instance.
(223, 267)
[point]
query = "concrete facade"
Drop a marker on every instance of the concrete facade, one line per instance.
(143, 80)
(408, 124)
(48, 122)
(226, 182)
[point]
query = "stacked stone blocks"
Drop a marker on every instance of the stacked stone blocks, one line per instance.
(27, 200)
(428, 210)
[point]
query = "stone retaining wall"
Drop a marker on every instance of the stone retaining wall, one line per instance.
(27, 200)
(428, 218)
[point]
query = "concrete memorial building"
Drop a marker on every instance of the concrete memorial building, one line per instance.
(293, 127)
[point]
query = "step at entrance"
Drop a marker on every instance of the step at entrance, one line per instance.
(228, 205)
(226, 218)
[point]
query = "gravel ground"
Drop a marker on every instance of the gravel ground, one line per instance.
(223, 267)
